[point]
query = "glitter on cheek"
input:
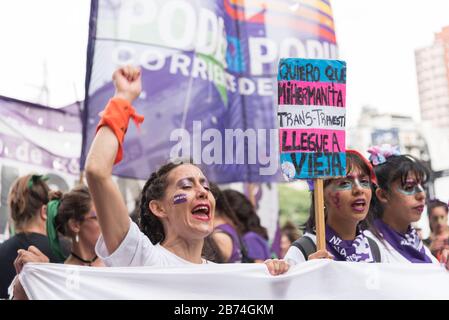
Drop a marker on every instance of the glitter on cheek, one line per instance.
(336, 200)
(179, 198)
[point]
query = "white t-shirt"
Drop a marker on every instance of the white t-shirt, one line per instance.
(136, 250)
(389, 255)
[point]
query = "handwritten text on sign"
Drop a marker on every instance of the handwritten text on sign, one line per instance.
(312, 117)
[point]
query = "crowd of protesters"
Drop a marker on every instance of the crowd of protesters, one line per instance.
(182, 218)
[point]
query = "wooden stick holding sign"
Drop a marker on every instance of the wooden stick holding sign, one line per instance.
(319, 214)
(312, 120)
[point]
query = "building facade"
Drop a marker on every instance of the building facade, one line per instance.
(432, 67)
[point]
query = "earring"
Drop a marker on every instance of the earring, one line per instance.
(77, 239)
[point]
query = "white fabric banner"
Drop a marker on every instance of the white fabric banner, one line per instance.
(318, 279)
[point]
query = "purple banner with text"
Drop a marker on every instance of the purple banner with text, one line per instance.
(35, 138)
(209, 73)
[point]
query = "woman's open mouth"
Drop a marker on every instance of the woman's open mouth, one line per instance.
(420, 208)
(359, 205)
(201, 212)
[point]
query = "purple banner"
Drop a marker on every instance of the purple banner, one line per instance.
(40, 136)
(209, 78)
(35, 138)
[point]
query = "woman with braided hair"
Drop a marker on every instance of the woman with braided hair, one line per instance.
(176, 207)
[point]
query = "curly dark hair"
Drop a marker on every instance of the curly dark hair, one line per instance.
(149, 223)
(154, 189)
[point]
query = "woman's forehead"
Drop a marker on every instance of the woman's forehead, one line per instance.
(355, 169)
(356, 172)
(411, 175)
(185, 171)
(438, 211)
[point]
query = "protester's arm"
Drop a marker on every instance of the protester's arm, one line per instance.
(111, 209)
(109, 204)
(18, 291)
(278, 267)
(321, 254)
(33, 254)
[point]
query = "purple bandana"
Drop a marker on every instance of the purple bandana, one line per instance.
(357, 250)
(408, 245)
(179, 198)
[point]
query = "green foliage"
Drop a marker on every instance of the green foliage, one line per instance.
(294, 204)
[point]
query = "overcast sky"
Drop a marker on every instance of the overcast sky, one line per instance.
(377, 38)
(45, 31)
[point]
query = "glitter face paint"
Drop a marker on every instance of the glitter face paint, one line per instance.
(179, 198)
(350, 182)
(336, 200)
(347, 184)
(411, 188)
(189, 182)
(91, 215)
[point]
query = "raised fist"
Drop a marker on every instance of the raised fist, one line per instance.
(127, 82)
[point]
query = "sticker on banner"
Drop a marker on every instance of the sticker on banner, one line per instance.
(288, 169)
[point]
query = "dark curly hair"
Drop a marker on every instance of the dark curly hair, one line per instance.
(150, 224)
(154, 189)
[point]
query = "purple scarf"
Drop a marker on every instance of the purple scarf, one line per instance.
(357, 250)
(408, 245)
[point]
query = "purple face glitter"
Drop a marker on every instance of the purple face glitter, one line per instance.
(336, 200)
(179, 198)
